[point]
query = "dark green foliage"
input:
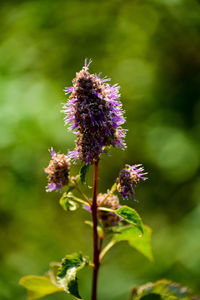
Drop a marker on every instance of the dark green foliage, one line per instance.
(75, 260)
(83, 173)
(73, 288)
(130, 215)
(152, 297)
(70, 265)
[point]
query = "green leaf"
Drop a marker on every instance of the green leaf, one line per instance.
(67, 203)
(83, 173)
(60, 277)
(71, 264)
(129, 215)
(141, 242)
(163, 290)
(38, 286)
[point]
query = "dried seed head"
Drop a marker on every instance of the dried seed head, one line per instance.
(128, 179)
(107, 218)
(95, 113)
(57, 171)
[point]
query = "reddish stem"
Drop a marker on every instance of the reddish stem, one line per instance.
(95, 234)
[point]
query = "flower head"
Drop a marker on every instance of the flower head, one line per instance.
(95, 114)
(57, 171)
(107, 218)
(128, 179)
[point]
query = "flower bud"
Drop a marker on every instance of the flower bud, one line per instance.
(107, 218)
(128, 179)
(57, 171)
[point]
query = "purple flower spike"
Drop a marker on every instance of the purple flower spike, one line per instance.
(95, 114)
(57, 171)
(128, 179)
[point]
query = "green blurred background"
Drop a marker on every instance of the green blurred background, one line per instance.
(152, 49)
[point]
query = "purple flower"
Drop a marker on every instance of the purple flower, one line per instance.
(57, 171)
(128, 179)
(95, 114)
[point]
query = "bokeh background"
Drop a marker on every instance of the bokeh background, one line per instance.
(152, 49)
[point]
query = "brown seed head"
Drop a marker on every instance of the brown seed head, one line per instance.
(107, 218)
(57, 171)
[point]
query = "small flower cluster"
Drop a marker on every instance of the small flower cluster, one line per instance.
(95, 113)
(128, 179)
(57, 171)
(108, 219)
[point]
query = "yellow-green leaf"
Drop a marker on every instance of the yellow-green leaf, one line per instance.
(67, 203)
(141, 242)
(38, 286)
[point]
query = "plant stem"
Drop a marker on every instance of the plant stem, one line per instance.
(80, 201)
(95, 234)
(106, 249)
(81, 193)
(100, 245)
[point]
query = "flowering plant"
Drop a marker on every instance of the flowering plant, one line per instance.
(95, 115)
